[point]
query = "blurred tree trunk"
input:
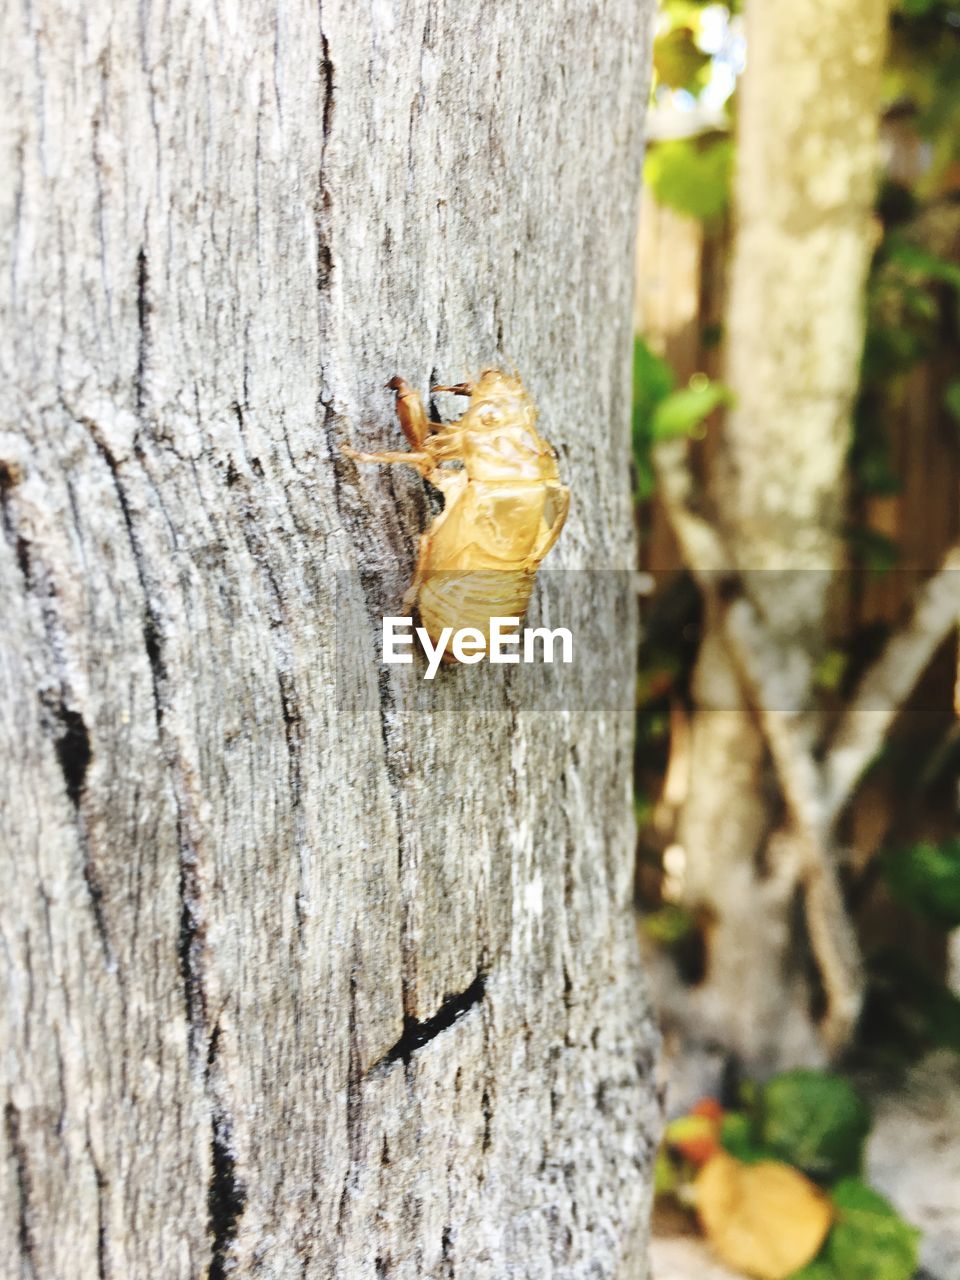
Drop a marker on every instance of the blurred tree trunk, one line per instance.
(300, 981)
(807, 130)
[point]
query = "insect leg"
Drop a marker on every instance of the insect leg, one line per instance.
(461, 389)
(413, 417)
(446, 444)
(553, 531)
(422, 461)
(423, 553)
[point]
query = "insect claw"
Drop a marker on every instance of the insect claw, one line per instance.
(461, 389)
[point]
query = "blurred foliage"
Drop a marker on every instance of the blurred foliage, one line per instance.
(661, 411)
(694, 62)
(869, 1239)
(913, 315)
(764, 1169)
(923, 71)
(669, 925)
(908, 1010)
(927, 878)
(692, 175)
(817, 1122)
(678, 61)
(912, 299)
(913, 291)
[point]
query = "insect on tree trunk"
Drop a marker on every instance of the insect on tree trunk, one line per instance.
(298, 981)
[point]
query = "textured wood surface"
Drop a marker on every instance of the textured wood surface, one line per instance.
(306, 977)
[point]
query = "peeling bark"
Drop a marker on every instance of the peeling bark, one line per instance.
(303, 980)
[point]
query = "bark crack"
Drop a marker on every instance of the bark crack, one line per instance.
(73, 751)
(71, 738)
(143, 328)
(22, 1173)
(417, 1032)
(103, 1266)
(255, 538)
(10, 476)
(227, 1196)
(227, 1193)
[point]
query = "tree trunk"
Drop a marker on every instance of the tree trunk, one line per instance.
(309, 973)
(807, 125)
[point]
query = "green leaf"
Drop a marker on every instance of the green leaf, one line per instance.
(940, 1010)
(818, 1269)
(665, 1177)
(921, 262)
(660, 412)
(908, 1009)
(682, 412)
(691, 176)
(927, 878)
(951, 398)
(669, 924)
(737, 1137)
(679, 63)
(917, 8)
(652, 380)
(814, 1120)
(869, 1240)
(878, 552)
(831, 669)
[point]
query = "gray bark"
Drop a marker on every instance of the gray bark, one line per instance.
(305, 976)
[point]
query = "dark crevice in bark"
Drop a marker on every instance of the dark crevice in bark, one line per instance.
(143, 328)
(190, 947)
(354, 1100)
(354, 1123)
(324, 265)
(417, 1033)
(10, 477)
(227, 1193)
(103, 1265)
(253, 524)
(446, 1250)
(74, 754)
(226, 1199)
(22, 1174)
(322, 211)
(326, 74)
(568, 1000)
(346, 496)
(91, 878)
(71, 738)
(191, 924)
(394, 765)
(73, 751)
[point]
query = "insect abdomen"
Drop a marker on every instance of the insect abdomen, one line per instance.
(470, 598)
